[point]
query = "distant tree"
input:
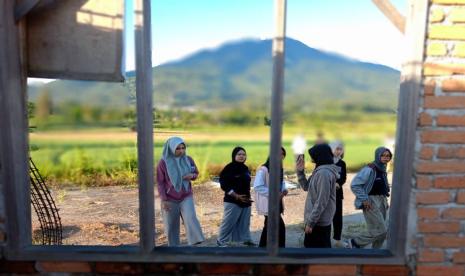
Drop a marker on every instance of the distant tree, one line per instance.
(30, 114)
(44, 106)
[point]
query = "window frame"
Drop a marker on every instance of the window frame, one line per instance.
(15, 182)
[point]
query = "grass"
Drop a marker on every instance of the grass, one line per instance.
(109, 157)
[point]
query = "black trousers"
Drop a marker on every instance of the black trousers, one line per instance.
(319, 238)
(337, 220)
(282, 233)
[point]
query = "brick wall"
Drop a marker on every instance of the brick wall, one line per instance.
(440, 159)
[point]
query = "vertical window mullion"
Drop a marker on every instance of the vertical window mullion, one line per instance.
(276, 127)
(14, 131)
(144, 88)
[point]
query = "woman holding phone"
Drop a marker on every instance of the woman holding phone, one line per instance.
(175, 171)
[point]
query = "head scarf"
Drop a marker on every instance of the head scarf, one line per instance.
(378, 152)
(334, 145)
(267, 165)
(177, 167)
(321, 154)
(234, 153)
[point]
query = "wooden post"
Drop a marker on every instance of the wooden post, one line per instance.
(276, 127)
(14, 131)
(396, 18)
(410, 87)
(144, 89)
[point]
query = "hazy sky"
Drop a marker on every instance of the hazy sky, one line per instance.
(354, 28)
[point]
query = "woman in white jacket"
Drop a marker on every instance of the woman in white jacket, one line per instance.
(261, 189)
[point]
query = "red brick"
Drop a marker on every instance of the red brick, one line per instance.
(449, 182)
(429, 270)
(451, 152)
(119, 268)
(10, 267)
(272, 269)
(431, 256)
(427, 213)
(430, 85)
(443, 136)
(441, 167)
(225, 269)
(168, 268)
(453, 85)
(461, 197)
(450, 120)
(442, 241)
(424, 182)
(459, 257)
(426, 152)
(70, 267)
(448, 2)
(439, 227)
(385, 270)
(425, 119)
(432, 197)
(454, 213)
(443, 69)
(444, 102)
(338, 270)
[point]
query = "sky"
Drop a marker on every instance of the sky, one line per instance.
(354, 28)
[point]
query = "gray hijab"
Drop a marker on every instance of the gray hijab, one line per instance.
(177, 167)
(378, 152)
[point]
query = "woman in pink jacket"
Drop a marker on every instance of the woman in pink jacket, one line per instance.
(175, 171)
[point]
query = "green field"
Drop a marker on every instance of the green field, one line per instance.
(108, 156)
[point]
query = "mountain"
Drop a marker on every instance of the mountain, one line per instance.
(239, 74)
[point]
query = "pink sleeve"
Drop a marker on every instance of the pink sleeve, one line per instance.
(162, 179)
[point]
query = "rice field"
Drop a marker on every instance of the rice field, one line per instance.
(109, 156)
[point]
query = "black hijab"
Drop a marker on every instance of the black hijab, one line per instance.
(267, 165)
(234, 166)
(321, 154)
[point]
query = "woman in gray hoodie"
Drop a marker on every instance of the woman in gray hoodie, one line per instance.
(320, 204)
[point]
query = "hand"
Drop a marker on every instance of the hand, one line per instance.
(165, 206)
(188, 176)
(338, 186)
(367, 205)
(283, 194)
(242, 198)
(308, 229)
(300, 164)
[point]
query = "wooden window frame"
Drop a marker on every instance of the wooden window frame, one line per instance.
(14, 160)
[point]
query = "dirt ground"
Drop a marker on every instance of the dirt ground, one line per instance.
(109, 215)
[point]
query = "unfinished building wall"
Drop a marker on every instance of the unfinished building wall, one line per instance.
(440, 156)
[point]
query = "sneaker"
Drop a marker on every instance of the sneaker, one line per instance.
(250, 243)
(353, 244)
(338, 244)
(220, 244)
(197, 243)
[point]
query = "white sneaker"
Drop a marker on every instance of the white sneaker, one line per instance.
(341, 244)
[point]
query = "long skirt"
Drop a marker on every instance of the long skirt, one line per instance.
(184, 209)
(235, 226)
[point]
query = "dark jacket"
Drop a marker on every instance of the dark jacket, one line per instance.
(342, 178)
(235, 176)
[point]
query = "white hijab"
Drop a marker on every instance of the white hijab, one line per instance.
(334, 145)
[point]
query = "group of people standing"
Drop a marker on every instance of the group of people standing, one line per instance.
(323, 206)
